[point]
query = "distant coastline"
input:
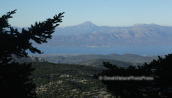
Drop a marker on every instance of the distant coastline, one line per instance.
(120, 50)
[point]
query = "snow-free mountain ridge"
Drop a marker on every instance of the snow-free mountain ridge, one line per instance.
(88, 34)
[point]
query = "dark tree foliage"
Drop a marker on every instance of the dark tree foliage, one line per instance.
(163, 74)
(14, 81)
(162, 82)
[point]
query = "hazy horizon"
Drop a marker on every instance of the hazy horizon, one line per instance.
(111, 13)
(109, 26)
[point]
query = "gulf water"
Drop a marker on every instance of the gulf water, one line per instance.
(139, 50)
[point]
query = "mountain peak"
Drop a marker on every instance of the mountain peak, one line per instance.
(88, 23)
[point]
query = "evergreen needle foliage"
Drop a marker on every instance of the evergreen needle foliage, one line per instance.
(160, 87)
(14, 81)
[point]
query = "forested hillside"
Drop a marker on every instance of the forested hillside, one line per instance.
(67, 81)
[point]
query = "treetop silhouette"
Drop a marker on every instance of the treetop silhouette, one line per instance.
(14, 81)
(161, 83)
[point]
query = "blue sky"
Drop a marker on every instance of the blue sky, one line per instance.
(114, 13)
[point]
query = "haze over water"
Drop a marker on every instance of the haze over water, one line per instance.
(139, 50)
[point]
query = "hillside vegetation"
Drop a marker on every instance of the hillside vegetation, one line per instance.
(67, 81)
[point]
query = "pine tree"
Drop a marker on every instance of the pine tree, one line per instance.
(135, 89)
(14, 81)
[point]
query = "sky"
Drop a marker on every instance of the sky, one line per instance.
(113, 13)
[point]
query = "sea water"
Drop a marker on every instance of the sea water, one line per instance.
(138, 50)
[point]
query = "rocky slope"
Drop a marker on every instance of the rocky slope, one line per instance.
(25, 59)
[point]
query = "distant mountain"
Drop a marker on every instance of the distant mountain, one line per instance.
(86, 27)
(77, 29)
(88, 34)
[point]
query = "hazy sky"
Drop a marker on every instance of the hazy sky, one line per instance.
(100, 12)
